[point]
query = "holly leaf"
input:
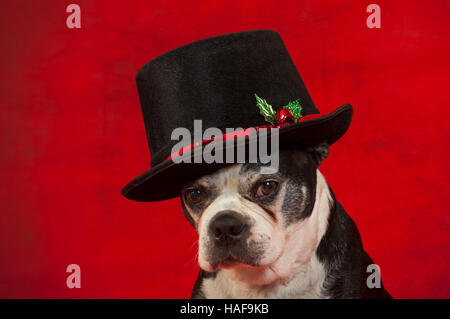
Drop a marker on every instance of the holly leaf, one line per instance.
(295, 107)
(265, 109)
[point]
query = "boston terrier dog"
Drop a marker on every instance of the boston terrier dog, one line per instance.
(281, 235)
(262, 234)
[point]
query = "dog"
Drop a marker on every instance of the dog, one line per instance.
(281, 235)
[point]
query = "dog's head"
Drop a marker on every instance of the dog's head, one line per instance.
(259, 227)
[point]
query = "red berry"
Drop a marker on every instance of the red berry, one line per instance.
(284, 117)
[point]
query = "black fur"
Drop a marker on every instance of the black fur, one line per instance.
(345, 260)
(197, 291)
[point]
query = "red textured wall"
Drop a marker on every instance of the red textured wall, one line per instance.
(71, 135)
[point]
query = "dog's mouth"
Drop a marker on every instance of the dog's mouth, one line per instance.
(229, 260)
(225, 262)
(228, 256)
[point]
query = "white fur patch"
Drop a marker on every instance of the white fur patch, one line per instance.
(263, 229)
(296, 273)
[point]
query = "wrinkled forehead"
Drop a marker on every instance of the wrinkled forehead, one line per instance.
(228, 177)
(292, 163)
(233, 176)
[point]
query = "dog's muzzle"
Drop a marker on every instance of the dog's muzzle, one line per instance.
(227, 229)
(228, 232)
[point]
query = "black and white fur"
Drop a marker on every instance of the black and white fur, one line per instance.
(298, 243)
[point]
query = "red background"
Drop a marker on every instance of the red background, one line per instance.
(71, 135)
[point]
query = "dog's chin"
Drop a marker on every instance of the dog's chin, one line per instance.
(249, 274)
(225, 263)
(229, 263)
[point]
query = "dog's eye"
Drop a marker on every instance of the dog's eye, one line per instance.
(193, 195)
(266, 188)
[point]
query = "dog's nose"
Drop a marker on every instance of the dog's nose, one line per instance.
(227, 227)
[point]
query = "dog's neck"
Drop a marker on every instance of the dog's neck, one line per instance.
(298, 271)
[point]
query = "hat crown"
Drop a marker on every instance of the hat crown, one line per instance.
(215, 80)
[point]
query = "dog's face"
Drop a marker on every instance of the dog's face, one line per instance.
(257, 226)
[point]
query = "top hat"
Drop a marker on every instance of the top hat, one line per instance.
(215, 80)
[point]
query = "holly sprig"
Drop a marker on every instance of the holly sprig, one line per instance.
(266, 110)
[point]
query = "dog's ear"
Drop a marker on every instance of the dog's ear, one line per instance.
(319, 152)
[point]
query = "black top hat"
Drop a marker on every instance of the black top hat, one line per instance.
(216, 80)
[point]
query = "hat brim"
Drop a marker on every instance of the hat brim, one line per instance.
(165, 180)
